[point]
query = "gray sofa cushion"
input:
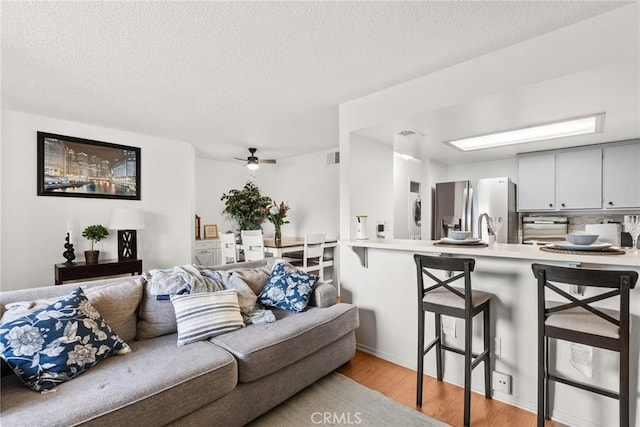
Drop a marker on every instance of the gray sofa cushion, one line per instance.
(117, 301)
(249, 400)
(263, 349)
(153, 385)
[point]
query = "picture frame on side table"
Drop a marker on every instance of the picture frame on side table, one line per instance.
(198, 228)
(78, 167)
(210, 231)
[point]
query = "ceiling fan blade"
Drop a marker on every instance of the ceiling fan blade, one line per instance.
(238, 158)
(266, 161)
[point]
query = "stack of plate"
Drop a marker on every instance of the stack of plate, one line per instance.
(598, 246)
(468, 241)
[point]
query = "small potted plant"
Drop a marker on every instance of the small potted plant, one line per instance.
(94, 233)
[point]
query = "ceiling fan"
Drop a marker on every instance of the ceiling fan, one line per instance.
(252, 161)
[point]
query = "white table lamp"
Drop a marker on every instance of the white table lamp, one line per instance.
(127, 221)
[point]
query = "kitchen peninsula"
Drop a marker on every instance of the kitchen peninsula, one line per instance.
(385, 293)
(501, 250)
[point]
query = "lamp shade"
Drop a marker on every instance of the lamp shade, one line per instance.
(126, 219)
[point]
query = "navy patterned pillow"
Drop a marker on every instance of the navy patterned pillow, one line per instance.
(50, 346)
(288, 289)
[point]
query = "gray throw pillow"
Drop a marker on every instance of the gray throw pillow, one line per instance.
(246, 297)
(156, 316)
(254, 277)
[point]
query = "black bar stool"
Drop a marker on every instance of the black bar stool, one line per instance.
(463, 303)
(576, 320)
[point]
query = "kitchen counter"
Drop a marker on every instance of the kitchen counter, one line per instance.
(502, 250)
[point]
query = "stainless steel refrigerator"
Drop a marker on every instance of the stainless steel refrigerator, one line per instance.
(497, 197)
(452, 208)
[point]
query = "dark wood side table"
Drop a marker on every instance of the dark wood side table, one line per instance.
(82, 270)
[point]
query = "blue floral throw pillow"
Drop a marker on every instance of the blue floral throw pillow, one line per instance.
(53, 345)
(288, 289)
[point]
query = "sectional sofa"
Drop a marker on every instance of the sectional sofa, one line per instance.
(228, 380)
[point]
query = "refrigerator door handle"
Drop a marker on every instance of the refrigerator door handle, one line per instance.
(470, 210)
(465, 207)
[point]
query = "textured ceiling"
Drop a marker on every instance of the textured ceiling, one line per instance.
(225, 76)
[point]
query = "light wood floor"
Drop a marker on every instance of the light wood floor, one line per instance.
(442, 400)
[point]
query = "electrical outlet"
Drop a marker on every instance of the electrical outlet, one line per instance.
(497, 346)
(502, 382)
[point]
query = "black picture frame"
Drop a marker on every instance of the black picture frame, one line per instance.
(78, 167)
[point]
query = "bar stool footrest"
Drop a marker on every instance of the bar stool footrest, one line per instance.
(583, 386)
(459, 351)
(430, 346)
(484, 356)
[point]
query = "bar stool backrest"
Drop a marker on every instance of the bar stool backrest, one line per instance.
(552, 277)
(424, 263)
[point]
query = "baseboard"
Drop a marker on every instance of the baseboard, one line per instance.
(525, 405)
(386, 356)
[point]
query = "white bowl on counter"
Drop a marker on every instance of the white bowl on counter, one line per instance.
(582, 238)
(459, 235)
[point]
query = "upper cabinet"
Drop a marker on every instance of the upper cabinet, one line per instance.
(537, 182)
(596, 177)
(579, 179)
(621, 176)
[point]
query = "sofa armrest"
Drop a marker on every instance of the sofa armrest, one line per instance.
(324, 295)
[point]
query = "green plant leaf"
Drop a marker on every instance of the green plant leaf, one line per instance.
(246, 206)
(95, 233)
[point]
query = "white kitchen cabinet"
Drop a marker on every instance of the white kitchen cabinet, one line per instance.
(579, 179)
(207, 252)
(537, 182)
(621, 176)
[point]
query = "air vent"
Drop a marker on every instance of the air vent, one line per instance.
(333, 158)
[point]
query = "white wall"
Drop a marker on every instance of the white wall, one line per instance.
(33, 227)
(214, 178)
(310, 185)
(475, 171)
(306, 182)
(371, 182)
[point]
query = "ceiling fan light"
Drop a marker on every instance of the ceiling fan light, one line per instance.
(573, 127)
(252, 165)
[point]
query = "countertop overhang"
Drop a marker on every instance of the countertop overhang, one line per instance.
(502, 250)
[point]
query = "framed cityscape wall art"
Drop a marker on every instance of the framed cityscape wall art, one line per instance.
(77, 167)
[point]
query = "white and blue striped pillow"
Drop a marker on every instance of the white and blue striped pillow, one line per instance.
(205, 315)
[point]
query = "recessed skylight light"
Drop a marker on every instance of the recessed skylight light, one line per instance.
(580, 126)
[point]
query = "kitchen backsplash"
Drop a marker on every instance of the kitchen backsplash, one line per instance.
(578, 221)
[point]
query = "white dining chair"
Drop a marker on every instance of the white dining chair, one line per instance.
(312, 255)
(229, 250)
(252, 244)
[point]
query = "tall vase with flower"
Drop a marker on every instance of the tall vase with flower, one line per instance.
(276, 214)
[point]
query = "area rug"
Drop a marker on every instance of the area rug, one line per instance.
(336, 400)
